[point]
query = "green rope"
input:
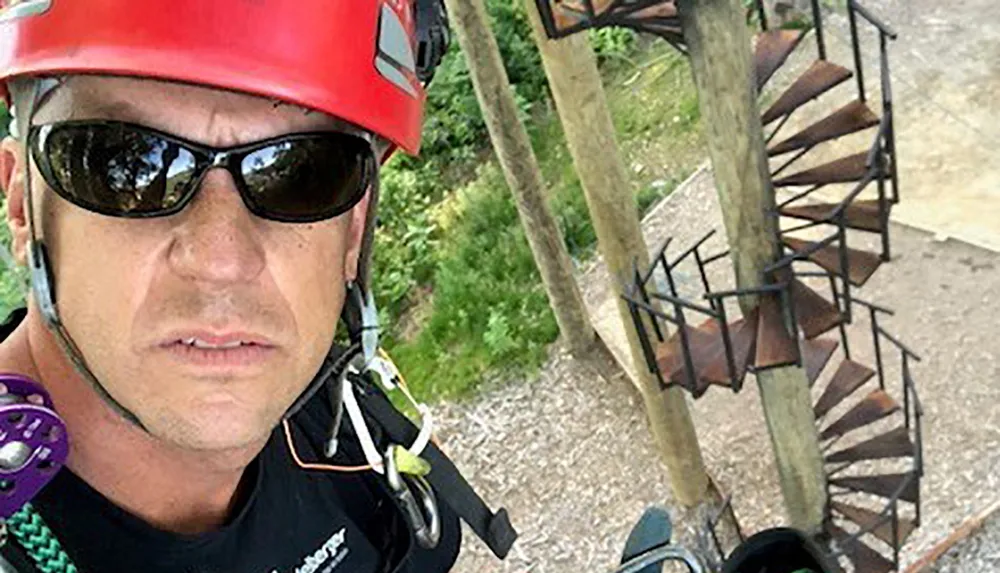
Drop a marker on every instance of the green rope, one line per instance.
(34, 535)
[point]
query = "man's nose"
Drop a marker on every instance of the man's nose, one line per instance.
(217, 240)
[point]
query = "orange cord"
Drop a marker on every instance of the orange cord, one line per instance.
(313, 466)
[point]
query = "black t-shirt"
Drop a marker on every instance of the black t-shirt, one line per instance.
(292, 521)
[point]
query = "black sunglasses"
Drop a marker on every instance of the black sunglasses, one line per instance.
(126, 170)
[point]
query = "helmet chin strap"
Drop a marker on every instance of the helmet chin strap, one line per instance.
(359, 313)
(40, 267)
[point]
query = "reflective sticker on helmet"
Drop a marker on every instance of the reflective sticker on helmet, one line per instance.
(406, 12)
(395, 59)
(12, 9)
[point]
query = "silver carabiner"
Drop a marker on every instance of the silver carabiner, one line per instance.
(423, 517)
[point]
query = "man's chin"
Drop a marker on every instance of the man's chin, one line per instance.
(238, 435)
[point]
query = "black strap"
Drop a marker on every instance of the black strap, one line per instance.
(450, 486)
(16, 558)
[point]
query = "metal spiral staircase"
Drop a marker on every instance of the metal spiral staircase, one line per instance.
(871, 442)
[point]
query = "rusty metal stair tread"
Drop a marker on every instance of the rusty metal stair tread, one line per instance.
(861, 214)
(772, 49)
(851, 118)
(842, 170)
(577, 9)
(815, 355)
(881, 485)
(849, 377)
(664, 10)
(892, 444)
(670, 354)
(861, 265)
(775, 347)
(864, 558)
(821, 77)
(743, 336)
(704, 341)
(874, 407)
(868, 519)
(814, 313)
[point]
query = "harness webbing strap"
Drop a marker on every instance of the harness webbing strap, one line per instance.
(449, 485)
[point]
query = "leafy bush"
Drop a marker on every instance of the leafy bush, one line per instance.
(13, 280)
(454, 129)
(455, 141)
(489, 306)
(4, 120)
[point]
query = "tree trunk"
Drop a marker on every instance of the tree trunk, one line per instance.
(571, 67)
(520, 168)
(719, 45)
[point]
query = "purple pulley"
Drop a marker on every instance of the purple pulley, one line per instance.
(33, 441)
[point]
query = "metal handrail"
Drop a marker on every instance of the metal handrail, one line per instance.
(867, 304)
(773, 287)
(875, 21)
(692, 249)
(889, 513)
(818, 26)
(798, 196)
(898, 344)
(652, 310)
(800, 255)
(883, 129)
(804, 226)
(872, 171)
(684, 303)
(644, 277)
(715, 257)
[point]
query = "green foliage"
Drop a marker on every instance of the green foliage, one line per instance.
(4, 120)
(454, 277)
(407, 236)
(454, 127)
(613, 44)
(489, 307)
(13, 279)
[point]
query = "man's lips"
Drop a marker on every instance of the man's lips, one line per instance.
(232, 350)
(212, 341)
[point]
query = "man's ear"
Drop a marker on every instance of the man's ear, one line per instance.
(12, 174)
(355, 237)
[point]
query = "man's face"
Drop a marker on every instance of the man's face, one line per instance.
(133, 293)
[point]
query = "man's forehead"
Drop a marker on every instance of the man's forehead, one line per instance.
(174, 106)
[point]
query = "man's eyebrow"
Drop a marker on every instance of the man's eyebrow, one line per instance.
(105, 109)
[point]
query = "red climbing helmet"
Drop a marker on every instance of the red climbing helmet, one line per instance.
(364, 61)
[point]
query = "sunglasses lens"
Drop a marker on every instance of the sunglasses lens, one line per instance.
(307, 179)
(116, 170)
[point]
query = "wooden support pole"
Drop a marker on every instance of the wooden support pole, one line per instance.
(719, 46)
(520, 168)
(571, 67)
